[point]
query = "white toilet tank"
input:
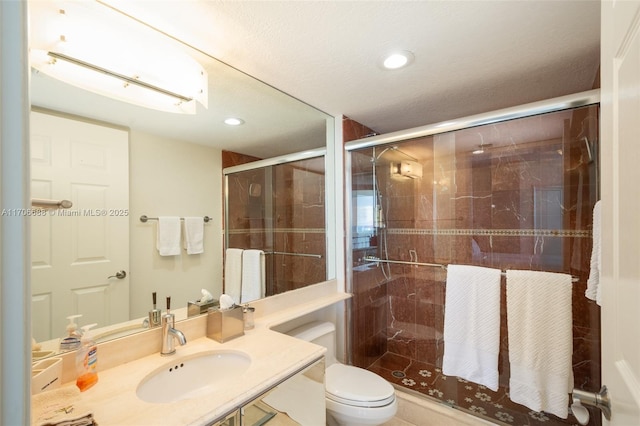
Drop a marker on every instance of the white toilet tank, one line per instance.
(321, 333)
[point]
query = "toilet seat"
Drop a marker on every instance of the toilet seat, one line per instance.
(357, 387)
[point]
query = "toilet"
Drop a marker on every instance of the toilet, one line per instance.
(354, 396)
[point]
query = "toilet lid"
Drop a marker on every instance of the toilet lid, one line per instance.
(356, 386)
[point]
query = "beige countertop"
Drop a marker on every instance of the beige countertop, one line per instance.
(124, 363)
(274, 357)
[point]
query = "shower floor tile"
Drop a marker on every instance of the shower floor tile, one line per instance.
(473, 398)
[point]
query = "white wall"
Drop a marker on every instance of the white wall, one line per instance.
(173, 178)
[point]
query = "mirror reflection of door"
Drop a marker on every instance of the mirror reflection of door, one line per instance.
(74, 251)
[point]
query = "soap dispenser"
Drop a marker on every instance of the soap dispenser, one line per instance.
(72, 338)
(87, 361)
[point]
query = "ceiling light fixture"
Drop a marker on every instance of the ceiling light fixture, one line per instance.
(96, 49)
(397, 60)
(233, 121)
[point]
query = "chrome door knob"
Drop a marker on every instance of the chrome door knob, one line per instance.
(119, 275)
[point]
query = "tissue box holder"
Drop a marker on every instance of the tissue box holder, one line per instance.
(224, 325)
(197, 308)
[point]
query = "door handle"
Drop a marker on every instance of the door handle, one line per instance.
(119, 275)
(599, 400)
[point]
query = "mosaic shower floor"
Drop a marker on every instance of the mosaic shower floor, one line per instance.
(476, 399)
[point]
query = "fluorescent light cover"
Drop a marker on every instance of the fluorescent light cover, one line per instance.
(100, 50)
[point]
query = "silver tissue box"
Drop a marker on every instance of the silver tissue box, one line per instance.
(224, 325)
(197, 308)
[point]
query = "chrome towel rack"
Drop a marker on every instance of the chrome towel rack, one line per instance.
(318, 256)
(144, 218)
(435, 265)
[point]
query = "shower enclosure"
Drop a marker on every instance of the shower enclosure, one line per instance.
(278, 206)
(512, 190)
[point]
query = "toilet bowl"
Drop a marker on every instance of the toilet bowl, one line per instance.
(354, 396)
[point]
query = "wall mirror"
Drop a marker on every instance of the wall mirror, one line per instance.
(172, 167)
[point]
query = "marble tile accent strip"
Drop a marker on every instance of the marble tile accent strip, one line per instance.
(560, 233)
(278, 230)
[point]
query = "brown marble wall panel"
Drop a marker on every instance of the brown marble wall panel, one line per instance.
(352, 130)
(230, 158)
(369, 307)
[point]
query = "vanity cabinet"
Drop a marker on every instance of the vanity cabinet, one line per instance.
(297, 400)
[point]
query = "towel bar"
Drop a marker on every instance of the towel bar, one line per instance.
(435, 265)
(144, 218)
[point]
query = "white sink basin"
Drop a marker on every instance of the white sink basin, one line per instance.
(192, 376)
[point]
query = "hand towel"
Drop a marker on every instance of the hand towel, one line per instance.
(593, 291)
(539, 321)
(168, 236)
(194, 234)
(472, 324)
(253, 275)
(61, 406)
(233, 273)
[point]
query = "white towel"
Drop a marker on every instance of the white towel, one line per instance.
(539, 322)
(168, 236)
(472, 324)
(593, 291)
(194, 234)
(233, 273)
(253, 275)
(60, 406)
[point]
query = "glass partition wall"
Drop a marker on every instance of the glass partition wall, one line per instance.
(515, 194)
(280, 209)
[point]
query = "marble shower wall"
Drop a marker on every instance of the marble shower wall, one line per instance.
(281, 210)
(524, 203)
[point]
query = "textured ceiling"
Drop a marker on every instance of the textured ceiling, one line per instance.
(470, 56)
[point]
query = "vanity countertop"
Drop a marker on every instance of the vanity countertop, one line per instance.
(274, 357)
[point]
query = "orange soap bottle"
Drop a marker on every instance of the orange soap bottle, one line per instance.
(87, 361)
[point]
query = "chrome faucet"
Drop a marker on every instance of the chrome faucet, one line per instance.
(169, 333)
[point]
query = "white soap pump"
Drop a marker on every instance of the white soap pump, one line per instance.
(72, 338)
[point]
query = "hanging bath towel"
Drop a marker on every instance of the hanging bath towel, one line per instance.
(194, 234)
(539, 322)
(168, 236)
(253, 275)
(233, 273)
(472, 324)
(593, 291)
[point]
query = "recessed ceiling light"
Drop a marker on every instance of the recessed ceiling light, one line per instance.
(233, 121)
(398, 60)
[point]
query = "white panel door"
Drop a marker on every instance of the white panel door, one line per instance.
(620, 133)
(74, 251)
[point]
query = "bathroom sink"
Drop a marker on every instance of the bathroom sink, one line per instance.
(191, 376)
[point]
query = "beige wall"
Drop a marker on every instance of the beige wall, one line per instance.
(173, 178)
